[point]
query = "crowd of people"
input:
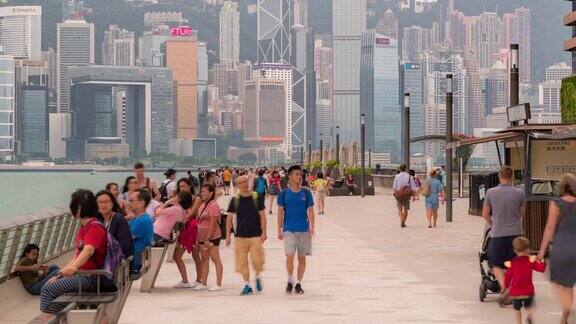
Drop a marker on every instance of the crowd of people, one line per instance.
(142, 213)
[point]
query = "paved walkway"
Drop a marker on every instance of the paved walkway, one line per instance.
(364, 269)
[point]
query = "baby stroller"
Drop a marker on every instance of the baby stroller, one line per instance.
(488, 284)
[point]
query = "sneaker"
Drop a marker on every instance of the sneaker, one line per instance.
(182, 285)
(215, 288)
(247, 291)
(289, 288)
(200, 287)
(298, 289)
(259, 286)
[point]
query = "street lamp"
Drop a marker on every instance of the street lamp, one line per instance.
(321, 149)
(338, 143)
(362, 148)
(449, 121)
(309, 151)
(407, 130)
(514, 78)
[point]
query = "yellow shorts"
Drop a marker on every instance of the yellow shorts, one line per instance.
(252, 246)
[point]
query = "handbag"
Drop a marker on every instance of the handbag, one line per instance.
(403, 194)
(426, 189)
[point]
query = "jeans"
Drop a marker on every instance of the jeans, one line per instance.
(34, 289)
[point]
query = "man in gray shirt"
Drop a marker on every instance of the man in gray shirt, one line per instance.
(504, 210)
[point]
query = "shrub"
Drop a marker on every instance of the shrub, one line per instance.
(568, 100)
(333, 164)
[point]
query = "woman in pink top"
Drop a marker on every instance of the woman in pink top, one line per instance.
(169, 214)
(209, 236)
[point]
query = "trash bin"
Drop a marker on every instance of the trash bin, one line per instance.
(479, 184)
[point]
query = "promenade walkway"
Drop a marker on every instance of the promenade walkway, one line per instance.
(364, 269)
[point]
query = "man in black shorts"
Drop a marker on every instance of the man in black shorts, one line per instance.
(504, 211)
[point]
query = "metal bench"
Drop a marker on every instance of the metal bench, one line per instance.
(91, 307)
(157, 255)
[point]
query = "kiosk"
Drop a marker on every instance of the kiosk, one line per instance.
(539, 154)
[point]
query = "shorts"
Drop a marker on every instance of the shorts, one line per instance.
(249, 245)
(405, 204)
(300, 242)
(500, 250)
(216, 242)
(226, 183)
(522, 302)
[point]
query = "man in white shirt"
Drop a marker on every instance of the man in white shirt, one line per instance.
(404, 188)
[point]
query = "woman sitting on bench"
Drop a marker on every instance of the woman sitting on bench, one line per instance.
(33, 275)
(91, 248)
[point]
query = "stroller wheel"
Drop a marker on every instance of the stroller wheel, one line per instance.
(482, 291)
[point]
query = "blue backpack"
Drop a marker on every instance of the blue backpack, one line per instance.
(260, 185)
(114, 255)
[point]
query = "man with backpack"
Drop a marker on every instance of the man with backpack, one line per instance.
(168, 188)
(404, 188)
(194, 180)
(250, 233)
(295, 226)
(261, 186)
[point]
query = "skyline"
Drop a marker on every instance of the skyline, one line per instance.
(473, 47)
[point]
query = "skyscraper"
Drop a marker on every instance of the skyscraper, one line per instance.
(412, 44)
(273, 28)
(558, 71)
(489, 37)
(118, 47)
(182, 58)
(202, 90)
(34, 120)
(570, 44)
(516, 30)
(379, 92)
(150, 51)
(7, 113)
(229, 32)
(413, 83)
(304, 87)
(75, 42)
(284, 73)
(549, 95)
(300, 12)
(388, 25)
(21, 31)
(497, 88)
(348, 24)
(476, 109)
(265, 111)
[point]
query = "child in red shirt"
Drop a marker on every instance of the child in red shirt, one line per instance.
(518, 280)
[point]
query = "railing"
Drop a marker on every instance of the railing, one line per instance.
(52, 230)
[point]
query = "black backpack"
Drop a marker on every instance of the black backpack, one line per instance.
(222, 224)
(164, 191)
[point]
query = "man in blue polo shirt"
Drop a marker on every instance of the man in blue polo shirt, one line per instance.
(295, 226)
(141, 226)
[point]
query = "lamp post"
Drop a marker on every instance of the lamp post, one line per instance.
(309, 151)
(407, 130)
(362, 148)
(369, 157)
(321, 149)
(514, 78)
(302, 155)
(338, 143)
(449, 121)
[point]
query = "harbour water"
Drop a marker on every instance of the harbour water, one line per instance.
(28, 192)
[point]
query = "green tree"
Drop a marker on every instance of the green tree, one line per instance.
(568, 100)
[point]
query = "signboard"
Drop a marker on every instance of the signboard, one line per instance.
(551, 159)
(518, 113)
(271, 139)
(382, 41)
(412, 66)
(181, 31)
